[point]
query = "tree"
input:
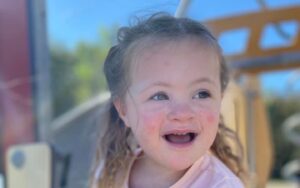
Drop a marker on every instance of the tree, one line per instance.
(280, 109)
(77, 74)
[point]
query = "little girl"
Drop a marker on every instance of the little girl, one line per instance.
(167, 77)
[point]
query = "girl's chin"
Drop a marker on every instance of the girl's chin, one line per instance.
(174, 160)
(181, 162)
(179, 166)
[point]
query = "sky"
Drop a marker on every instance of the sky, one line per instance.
(71, 21)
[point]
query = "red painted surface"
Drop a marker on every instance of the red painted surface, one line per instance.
(16, 110)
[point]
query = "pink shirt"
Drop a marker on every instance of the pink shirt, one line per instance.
(207, 172)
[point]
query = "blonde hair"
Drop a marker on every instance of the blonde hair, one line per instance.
(114, 149)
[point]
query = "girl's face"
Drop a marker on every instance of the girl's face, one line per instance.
(173, 103)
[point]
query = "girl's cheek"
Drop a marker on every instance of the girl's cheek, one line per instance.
(212, 118)
(209, 116)
(151, 121)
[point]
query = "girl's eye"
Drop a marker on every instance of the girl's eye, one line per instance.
(202, 95)
(159, 96)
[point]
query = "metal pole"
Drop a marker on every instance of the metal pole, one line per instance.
(182, 8)
(40, 61)
(250, 97)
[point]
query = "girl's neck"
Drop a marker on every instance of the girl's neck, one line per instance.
(147, 173)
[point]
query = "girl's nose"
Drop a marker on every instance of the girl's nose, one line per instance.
(181, 112)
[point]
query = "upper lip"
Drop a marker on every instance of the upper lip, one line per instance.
(180, 131)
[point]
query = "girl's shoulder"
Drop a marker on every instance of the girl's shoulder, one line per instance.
(209, 171)
(221, 175)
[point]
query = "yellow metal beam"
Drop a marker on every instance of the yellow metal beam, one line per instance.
(255, 23)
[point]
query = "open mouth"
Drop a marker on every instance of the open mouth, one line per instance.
(180, 138)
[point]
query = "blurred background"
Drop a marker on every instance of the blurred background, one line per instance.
(51, 80)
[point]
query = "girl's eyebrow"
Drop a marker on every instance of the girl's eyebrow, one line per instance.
(158, 83)
(167, 85)
(201, 80)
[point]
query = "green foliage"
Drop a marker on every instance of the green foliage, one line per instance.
(279, 110)
(77, 74)
(62, 79)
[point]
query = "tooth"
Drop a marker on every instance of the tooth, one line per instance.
(180, 134)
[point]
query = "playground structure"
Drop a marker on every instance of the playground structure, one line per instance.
(248, 115)
(64, 139)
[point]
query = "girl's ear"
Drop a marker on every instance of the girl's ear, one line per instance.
(121, 108)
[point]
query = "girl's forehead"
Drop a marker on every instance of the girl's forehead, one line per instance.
(162, 48)
(184, 57)
(151, 44)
